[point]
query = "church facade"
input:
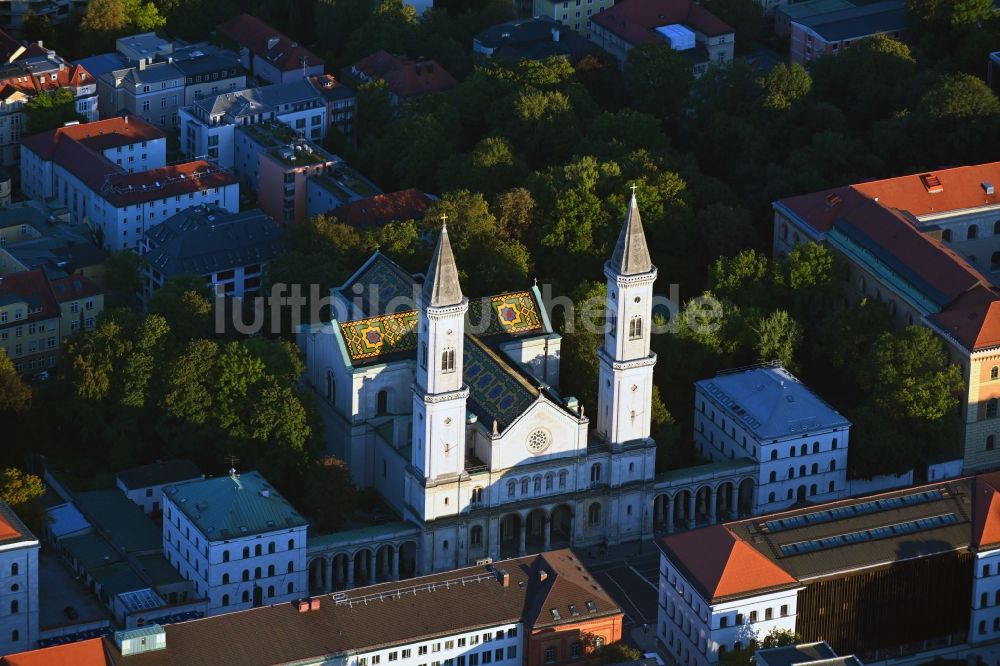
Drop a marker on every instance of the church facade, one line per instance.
(450, 407)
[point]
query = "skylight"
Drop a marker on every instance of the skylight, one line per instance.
(873, 534)
(851, 510)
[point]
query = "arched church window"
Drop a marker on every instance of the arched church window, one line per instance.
(991, 408)
(382, 402)
(511, 488)
(635, 328)
(562, 478)
(538, 484)
(612, 324)
(524, 486)
(331, 387)
(595, 473)
(477, 495)
(549, 482)
(994, 372)
(476, 536)
(448, 360)
(594, 514)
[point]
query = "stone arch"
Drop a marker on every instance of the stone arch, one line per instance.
(561, 526)
(318, 572)
(702, 504)
(745, 500)
(683, 508)
(385, 563)
(407, 559)
(510, 535)
(536, 523)
(362, 564)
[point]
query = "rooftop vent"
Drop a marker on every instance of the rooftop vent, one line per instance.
(543, 576)
(555, 614)
(832, 200)
(988, 188)
(931, 183)
(272, 42)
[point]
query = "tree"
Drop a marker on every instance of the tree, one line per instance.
(618, 652)
(18, 487)
(779, 637)
(110, 18)
(658, 78)
(374, 108)
(186, 303)
(49, 110)
(331, 497)
(122, 277)
(15, 395)
(726, 230)
(778, 335)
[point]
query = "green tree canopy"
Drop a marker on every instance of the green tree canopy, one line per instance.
(49, 110)
(658, 78)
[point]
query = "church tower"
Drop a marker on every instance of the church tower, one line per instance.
(439, 394)
(626, 364)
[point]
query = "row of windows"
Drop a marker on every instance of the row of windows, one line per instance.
(245, 596)
(257, 572)
(802, 471)
(452, 644)
(813, 489)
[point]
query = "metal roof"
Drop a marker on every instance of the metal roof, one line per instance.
(229, 507)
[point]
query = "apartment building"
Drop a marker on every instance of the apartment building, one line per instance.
(268, 54)
(29, 321)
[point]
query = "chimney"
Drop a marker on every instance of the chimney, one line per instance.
(503, 577)
(314, 604)
(303, 605)
(543, 575)
(555, 34)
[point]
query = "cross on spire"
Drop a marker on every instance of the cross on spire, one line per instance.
(444, 219)
(634, 186)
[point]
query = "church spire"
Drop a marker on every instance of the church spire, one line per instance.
(441, 287)
(631, 256)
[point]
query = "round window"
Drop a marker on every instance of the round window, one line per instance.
(538, 441)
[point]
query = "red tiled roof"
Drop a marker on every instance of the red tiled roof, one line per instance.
(254, 34)
(406, 78)
(635, 21)
(98, 135)
(166, 181)
(73, 287)
(986, 510)
(958, 189)
(34, 287)
(973, 319)
(383, 208)
(7, 531)
(83, 653)
(723, 565)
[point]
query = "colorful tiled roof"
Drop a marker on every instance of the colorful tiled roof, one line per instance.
(380, 336)
(377, 283)
(515, 313)
(497, 391)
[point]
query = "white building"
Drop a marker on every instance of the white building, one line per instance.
(717, 593)
(144, 484)
(454, 418)
(18, 584)
(208, 125)
(241, 542)
(767, 415)
(112, 175)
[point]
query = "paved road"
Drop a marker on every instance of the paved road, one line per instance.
(631, 581)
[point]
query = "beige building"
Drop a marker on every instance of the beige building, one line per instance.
(80, 303)
(572, 13)
(29, 321)
(928, 246)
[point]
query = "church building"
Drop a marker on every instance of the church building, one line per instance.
(450, 406)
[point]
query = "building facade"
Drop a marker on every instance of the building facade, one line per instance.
(19, 592)
(144, 484)
(462, 432)
(927, 246)
(829, 33)
(764, 414)
(571, 14)
(237, 539)
(269, 55)
(29, 321)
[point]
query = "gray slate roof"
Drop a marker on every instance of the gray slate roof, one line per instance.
(206, 239)
(881, 17)
(441, 288)
(631, 256)
(772, 403)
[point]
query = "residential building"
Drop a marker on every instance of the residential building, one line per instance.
(452, 419)
(832, 32)
(767, 415)
(27, 71)
(544, 609)
(928, 246)
(240, 542)
(144, 484)
(883, 576)
(112, 175)
(570, 14)
(406, 78)
(283, 174)
(341, 103)
(29, 321)
(795, 11)
(532, 38)
(269, 55)
(19, 572)
(208, 126)
(342, 186)
(409, 204)
(154, 77)
(35, 236)
(232, 250)
(81, 302)
(684, 25)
